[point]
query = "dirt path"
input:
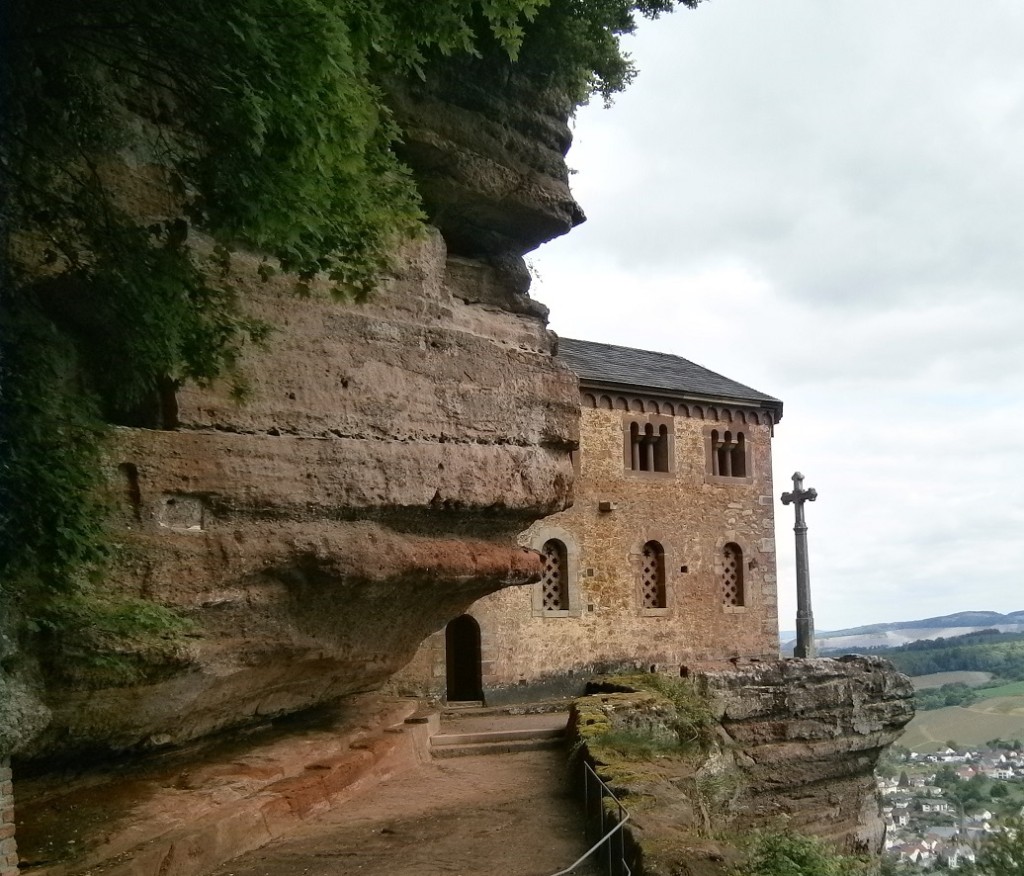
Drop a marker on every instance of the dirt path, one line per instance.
(507, 814)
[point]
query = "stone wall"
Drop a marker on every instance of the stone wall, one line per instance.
(529, 652)
(8, 845)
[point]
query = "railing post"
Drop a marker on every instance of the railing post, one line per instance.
(620, 817)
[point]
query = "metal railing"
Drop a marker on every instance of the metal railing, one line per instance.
(612, 842)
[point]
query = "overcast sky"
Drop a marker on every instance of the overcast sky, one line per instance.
(825, 201)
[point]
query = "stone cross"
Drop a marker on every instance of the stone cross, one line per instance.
(804, 617)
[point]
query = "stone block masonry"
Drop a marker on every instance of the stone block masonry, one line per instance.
(692, 518)
(8, 845)
(705, 526)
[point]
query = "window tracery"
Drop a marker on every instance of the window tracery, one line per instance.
(732, 575)
(652, 576)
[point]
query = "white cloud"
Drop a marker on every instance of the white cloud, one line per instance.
(824, 201)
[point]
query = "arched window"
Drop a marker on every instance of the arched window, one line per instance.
(732, 575)
(738, 451)
(554, 583)
(661, 449)
(728, 454)
(652, 576)
(648, 446)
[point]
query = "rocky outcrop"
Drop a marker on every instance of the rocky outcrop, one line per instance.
(186, 812)
(368, 489)
(806, 735)
(372, 483)
(22, 713)
(777, 746)
(488, 149)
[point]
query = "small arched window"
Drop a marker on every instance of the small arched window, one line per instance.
(648, 446)
(652, 576)
(732, 575)
(554, 582)
(634, 446)
(728, 454)
(661, 449)
(738, 451)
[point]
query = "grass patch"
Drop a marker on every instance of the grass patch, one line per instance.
(787, 854)
(974, 726)
(636, 745)
(937, 679)
(94, 640)
(691, 718)
(1012, 689)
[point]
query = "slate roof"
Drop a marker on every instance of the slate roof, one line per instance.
(610, 365)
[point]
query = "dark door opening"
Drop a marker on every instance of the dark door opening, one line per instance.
(462, 660)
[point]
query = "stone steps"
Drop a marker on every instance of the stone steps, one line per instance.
(480, 748)
(445, 745)
(456, 707)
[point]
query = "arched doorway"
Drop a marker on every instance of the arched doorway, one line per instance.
(462, 660)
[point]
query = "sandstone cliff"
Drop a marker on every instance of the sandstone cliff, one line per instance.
(787, 745)
(373, 481)
(806, 736)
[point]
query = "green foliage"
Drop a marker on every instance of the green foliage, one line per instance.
(956, 694)
(1002, 854)
(635, 744)
(888, 766)
(692, 721)
(56, 388)
(712, 793)
(575, 44)
(134, 133)
(51, 509)
(786, 854)
(998, 790)
(97, 640)
(972, 794)
(675, 723)
(892, 866)
(52, 514)
(946, 777)
(268, 118)
(1006, 744)
(987, 651)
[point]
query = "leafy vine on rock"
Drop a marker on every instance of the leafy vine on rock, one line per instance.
(134, 129)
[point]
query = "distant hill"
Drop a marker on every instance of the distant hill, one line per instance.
(890, 635)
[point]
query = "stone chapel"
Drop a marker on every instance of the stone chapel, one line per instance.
(666, 559)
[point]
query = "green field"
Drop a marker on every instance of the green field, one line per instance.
(997, 717)
(1013, 689)
(937, 679)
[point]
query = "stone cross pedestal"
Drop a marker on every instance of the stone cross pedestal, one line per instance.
(804, 617)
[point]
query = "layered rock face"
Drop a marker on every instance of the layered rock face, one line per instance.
(488, 148)
(788, 745)
(368, 489)
(806, 735)
(386, 455)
